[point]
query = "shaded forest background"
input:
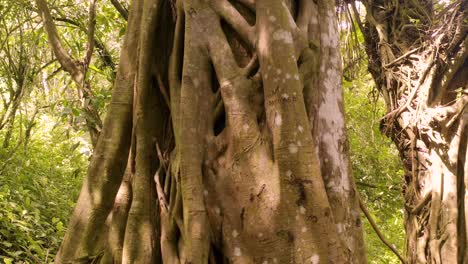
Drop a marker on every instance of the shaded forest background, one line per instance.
(46, 148)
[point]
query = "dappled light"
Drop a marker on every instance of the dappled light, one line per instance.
(233, 131)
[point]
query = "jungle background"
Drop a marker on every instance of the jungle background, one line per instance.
(45, 146)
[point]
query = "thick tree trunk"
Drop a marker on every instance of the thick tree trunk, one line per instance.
(417, 55)
(253, 167)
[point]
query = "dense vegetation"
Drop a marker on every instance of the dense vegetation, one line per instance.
(46, 145)
(376, 169)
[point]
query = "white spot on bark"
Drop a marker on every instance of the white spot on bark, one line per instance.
(313, 20)
(302, 209)
(237, 252)
(304, 229)
(235, 233)
(315, 259)
(293, 148)
(289, 173)
(272, 18)
(278, 120)
(245, 127)
(296, 76)
(324, 39)
(285, 96)
(217, 210)
(288, 75)
(300, 128)
(283, 35)
(222, 160)
(340, 227)
(332, 135)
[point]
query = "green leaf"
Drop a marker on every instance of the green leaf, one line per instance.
(92, 67)
(59, 226)
(7, 244)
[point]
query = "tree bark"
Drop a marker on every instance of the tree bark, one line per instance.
(236, 135)
(417, 54)
(77, 69)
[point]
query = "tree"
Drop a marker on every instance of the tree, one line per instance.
(417, 54)
(76, 68)
(224, 140)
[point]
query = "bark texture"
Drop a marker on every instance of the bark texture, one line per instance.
(76, 68)
(417, 54)
(231, 116)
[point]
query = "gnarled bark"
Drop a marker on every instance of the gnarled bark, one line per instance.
(259, 170)
(417, 55)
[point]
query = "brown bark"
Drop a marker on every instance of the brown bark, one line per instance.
(259, 171)
(77, 69)
(109, 159)
(417, 55)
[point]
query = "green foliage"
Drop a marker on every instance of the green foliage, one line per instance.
(43, 139)
(38, 187)
(376, 169)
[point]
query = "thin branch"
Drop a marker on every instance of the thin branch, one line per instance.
(163, 90)
(377, 231)
(416, 209)
(91, 30)
(103, 52)
(120, 8)
(68, 63)
(253, 64)
(401, 57)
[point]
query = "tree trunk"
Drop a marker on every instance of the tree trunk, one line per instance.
(417, 54)
(232, 113)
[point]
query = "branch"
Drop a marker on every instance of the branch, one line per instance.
(120, 8)
(91, 30)
(377, 231)
(402, 57)
(250, 4)
(103, 52)
(416, 209)
(230, 14)
(68, 63)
